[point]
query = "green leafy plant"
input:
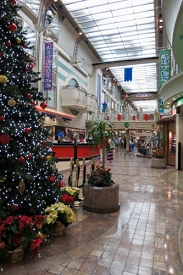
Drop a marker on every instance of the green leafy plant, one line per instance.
(158, 140)
(100, 177)
(100, 131)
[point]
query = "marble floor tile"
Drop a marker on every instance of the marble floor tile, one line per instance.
(145, 237)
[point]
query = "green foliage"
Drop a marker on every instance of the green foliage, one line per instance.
(100, 177)
(158, 140)
(100, 131)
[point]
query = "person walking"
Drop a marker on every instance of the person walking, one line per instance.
(110, 153)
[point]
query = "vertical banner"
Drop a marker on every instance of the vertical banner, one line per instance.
(48, 66)
(164, 74)
(128, 74)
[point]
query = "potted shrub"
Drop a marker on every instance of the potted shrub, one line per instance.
(18, 234)
(101, 194)
(158, 160)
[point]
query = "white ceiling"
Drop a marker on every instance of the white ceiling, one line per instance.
(121, 30)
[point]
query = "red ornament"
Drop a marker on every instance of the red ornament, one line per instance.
(5, 138)
(119, 116)
(43, 105)
(52, 178)
(24, 45)
(2, 118)
(12, 27)
(29, 156)
(28, 95)
(44, 142)
(31, 65)
(28, 130)
(26, 69)
(146, 117)
(133, 117)
(41, 157)
(21, 160)
(1, 55)
(8, 43)
(13, 3)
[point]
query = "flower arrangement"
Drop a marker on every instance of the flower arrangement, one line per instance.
(156, 154)
(59, 212)
(69, 195)
(20, 231)
(100, 177)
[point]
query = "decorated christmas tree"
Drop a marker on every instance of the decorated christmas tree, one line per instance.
(28, 177)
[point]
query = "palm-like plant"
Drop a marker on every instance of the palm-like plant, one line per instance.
(158, 140)
(100, 131)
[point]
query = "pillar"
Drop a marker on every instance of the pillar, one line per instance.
(127, 141)
(179, 137)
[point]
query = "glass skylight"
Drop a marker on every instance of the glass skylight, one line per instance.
(121, 30)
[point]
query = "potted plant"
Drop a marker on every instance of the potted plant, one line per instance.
(158, 160)
(18, 234)
(69, 195)
(101, 194)
(58, 216)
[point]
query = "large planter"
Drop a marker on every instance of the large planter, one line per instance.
(158, 163)
(101, 199)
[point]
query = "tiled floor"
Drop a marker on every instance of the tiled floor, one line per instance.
(141, 238)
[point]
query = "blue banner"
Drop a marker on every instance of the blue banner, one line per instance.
(48, 61)
(128, 74)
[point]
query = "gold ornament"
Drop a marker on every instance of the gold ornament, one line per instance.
(3, 79)
(21, 187)
(18, 40)
(48, 157)
(4, 179)
(11, 102)
(18, 101)
(9, 189)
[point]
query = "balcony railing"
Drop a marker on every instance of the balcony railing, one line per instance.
(125, 116)
(76, 97)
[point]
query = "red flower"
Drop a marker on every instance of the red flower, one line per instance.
(67, 198)
(2, 245)
(25, 221)
(35, 245)
(39, 220)
(17, 239)
(109, 169)
(9, 220)
(60, 184)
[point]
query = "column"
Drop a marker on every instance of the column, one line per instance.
(179, 137)
(127, 141)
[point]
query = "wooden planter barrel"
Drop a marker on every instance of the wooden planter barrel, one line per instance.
(101, 199)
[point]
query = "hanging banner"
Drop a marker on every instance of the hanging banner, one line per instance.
(48, 61)
(128, 74)
(164, 73)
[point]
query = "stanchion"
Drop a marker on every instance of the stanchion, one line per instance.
(93, 164)
(78, 202)
(83, 180)
(77, 172)
(70, 180)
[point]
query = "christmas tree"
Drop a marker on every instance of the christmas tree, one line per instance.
(28, 177)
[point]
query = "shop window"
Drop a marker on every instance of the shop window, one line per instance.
(72, 82)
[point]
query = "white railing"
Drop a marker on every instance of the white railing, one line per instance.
(125, 116)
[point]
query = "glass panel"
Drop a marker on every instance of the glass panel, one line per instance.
(31, 37)
(33, 5)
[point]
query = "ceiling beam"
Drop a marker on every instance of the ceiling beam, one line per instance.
(131, 62)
